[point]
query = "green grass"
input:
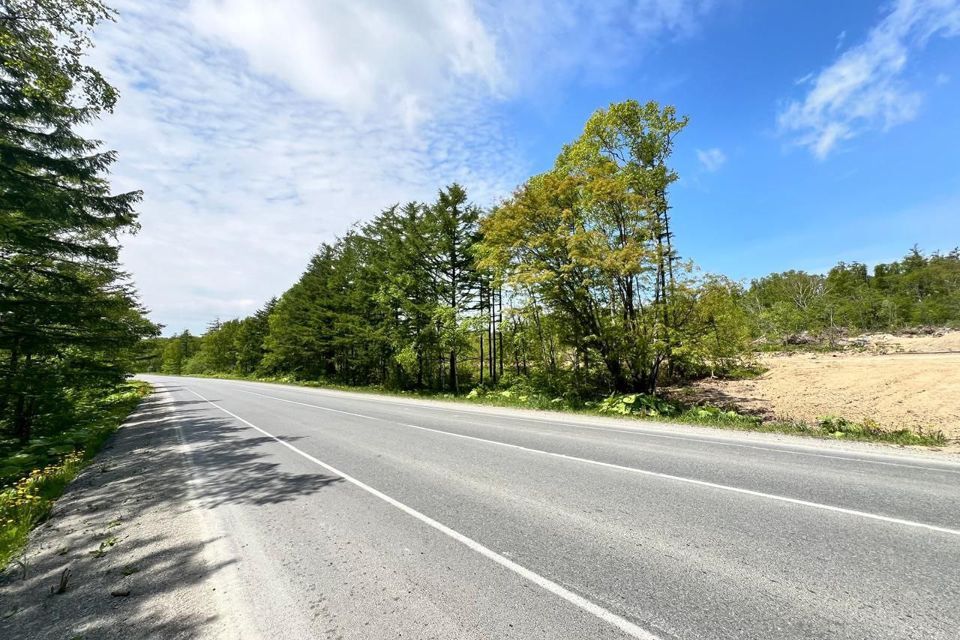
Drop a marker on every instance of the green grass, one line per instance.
(644, 407)
(36, 473)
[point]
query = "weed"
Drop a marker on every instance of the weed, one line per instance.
(62, 585)
(101, 551)
(38, 472)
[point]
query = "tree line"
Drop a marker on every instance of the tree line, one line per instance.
(383, 320)
(68, 315)
(573, 282)
(916, 291)
(572, 285)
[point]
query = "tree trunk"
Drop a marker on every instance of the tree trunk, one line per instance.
(21, 421)
(500, 321)
(454, 385)
(23, 408)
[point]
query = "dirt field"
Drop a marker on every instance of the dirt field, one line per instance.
(911, 381)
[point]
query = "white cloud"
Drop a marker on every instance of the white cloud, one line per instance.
(711, 159)
(863, 89)
(258, 130)
(244, 175)
(359, 55)
(841, 38)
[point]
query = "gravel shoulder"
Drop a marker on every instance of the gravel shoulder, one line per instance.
(141, 562)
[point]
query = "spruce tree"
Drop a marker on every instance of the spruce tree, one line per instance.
(67, 314)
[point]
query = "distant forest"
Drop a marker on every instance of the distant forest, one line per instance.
(573, 286)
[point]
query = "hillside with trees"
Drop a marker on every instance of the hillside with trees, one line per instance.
(916, 291)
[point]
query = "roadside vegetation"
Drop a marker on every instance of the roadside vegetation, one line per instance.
(34, 474)
(635, 406)
(68, 315)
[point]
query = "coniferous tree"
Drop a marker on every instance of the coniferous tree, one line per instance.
(453, 227)
(67, 315)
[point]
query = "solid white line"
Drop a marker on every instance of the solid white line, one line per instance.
(655, 474)
(216, 550)
(639, 431)
(590, 607)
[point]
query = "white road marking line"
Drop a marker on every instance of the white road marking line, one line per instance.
(655, 474)
(216, 550)
(636, 431)
(607, 616)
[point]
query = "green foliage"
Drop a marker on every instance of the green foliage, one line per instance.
(797, 307)
(35, 473)
(841, 428)
(637, 404)
(68, 317)
(591, 241)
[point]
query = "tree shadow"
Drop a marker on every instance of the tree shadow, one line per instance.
(715, 396)
(129, 522)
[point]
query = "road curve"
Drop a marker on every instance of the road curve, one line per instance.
(363, 516)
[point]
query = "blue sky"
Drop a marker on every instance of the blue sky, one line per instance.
(820, 131)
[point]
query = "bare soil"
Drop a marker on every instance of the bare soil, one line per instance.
(897, 381)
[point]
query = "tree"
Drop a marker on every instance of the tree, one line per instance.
(298, 339)
(591, 238)
(249, 341)
(452, 226)
(218, 349)
(400, 246)
(66, 311)
(717, 336)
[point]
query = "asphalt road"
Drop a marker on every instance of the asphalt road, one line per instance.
(361, 516)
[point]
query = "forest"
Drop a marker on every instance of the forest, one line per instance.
(70, 319)
(68, 314)
(573, 287)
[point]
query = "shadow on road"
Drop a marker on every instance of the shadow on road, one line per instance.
(128, 523)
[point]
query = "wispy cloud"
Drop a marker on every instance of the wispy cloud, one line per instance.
(841, 38)
(258, 130)
(246, 172)
(711, 159)
(584, 39)
(864, 88)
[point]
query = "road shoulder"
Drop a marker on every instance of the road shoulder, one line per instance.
(127, 544)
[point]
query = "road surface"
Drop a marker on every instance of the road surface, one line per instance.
(362, 516)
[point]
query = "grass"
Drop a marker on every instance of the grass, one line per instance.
(35, 474)
(645, 407)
